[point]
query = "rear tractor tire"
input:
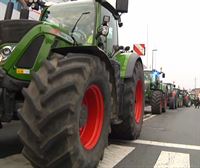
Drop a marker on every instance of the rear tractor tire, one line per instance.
(66, 113)
(133, 106)
(156, 102)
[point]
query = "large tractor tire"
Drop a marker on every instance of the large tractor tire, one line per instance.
(66, 113)
(132, 108)
(156, 102)
(172, 103)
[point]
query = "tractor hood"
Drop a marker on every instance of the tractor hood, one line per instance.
(11, 31)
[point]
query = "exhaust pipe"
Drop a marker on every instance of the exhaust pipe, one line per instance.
(24, 13)
(9, 11)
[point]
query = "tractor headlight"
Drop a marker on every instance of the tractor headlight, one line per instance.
(5, 52)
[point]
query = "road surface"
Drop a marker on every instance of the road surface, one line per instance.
(168, 140)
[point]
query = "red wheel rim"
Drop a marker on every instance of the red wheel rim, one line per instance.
(138, 101)
(90, 132)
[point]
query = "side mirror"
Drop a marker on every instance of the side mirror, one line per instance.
(127, 48)
(163, 75)
(122, 6)
(121, 47)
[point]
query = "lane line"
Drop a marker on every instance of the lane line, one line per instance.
(166, 144)
(113, 154)
(149, 117)
(173, 160)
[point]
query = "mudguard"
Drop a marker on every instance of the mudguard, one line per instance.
(127, 61)
(93, 50)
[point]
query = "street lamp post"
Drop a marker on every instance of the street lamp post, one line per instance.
(153, 56)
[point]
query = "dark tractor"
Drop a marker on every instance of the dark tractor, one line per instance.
(197, 102)
(175, 96)
(78, 85)
(155, 91)
(180, 95)
(186, 99)
(192, 98)
(171, 96)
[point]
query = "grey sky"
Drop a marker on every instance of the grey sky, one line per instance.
(173, 29)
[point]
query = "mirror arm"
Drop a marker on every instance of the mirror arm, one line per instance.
(108, 6)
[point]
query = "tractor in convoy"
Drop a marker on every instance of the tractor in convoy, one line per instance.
(179, 101)
(155, 91)
(171, 96)
(186, 98)
(69, 82)
(192, 98)
(175, 96)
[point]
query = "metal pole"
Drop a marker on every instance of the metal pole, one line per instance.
(147, 47)
(153, 57)
(195, 82)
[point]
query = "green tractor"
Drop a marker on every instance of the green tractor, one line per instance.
(179, 93)
(155, 91)
(75, 84)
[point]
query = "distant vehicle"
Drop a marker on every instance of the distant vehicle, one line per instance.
(192, 98)
(155, 91)
(171, 95)
(186, 99)
(179, 93)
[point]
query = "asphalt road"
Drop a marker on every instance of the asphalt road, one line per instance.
(176, 131)
(168, 140)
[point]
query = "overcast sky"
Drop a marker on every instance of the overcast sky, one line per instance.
(173, 29)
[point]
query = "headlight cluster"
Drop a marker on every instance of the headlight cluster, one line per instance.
(5, 52)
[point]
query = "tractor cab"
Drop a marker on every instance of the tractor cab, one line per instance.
(153, 79)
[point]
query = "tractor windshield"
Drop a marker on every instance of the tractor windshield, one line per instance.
(75, 18)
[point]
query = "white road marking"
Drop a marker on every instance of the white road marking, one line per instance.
(149, 117)
(173, 160)
(165, 144)
(113, 154)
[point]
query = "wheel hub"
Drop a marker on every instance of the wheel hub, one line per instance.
(91, 121)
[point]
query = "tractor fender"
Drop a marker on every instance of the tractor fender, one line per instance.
(93, 50)
(133, 58)
(127, 62)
